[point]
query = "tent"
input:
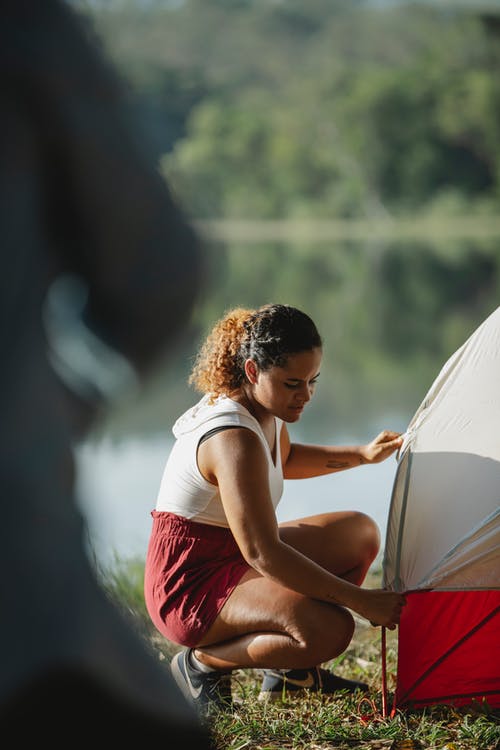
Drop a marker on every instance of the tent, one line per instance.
(443, 533)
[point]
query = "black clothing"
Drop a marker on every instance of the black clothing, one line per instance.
(79, 194)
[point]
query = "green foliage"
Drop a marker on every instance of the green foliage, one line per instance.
(268, 109)
(324, 110)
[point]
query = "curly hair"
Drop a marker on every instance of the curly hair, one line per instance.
(267, 335)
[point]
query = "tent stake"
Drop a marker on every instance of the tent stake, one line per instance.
(384, 673)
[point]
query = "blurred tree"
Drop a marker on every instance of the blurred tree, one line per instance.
(332, 109)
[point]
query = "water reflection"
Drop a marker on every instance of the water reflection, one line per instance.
(390, 312)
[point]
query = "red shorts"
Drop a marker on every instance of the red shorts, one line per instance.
(191, 569)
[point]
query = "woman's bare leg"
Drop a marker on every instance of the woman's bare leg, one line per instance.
(264, 625)
(345, 543)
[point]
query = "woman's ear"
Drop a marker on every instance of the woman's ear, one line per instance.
(251, 371)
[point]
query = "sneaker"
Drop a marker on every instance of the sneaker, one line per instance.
(278, 683)
(205, 690)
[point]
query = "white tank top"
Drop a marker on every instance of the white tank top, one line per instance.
(183, 489)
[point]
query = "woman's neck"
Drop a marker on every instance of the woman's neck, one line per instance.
(262, 415)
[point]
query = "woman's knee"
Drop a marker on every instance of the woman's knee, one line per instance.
(368, 534)
(356, 536)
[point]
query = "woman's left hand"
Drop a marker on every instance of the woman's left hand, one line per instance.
(382, 446)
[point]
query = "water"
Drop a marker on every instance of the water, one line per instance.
(118, 482)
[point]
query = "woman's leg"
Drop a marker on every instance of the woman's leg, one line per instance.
(345, 543)
(264, 625)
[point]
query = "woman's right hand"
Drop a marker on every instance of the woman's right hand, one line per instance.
(380, 607)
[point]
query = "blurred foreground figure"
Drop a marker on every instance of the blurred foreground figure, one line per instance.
(80, 198)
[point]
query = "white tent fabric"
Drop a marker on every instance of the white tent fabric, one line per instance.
(443, 529)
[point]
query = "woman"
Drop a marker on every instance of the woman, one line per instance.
(222, 577)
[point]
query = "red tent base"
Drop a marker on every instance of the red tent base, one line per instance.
(449, 649)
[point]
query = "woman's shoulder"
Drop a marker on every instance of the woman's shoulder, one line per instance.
(207, 414)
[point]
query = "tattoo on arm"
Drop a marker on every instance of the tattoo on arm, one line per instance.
(337, 464)
(333, 464)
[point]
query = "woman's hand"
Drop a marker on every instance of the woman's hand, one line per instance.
(381, 447)
(380, 607)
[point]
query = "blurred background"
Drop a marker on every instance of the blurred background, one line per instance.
(339, 156)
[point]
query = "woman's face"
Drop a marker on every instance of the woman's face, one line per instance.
(284, 391)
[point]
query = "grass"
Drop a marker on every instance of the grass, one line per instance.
(346, 722)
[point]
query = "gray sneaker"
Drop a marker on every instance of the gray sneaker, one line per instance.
(205, 690)
(279, 684)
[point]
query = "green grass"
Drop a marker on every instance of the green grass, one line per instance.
(314, 723)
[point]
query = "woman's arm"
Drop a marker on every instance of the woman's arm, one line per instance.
(236, 461)
(301, 461)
